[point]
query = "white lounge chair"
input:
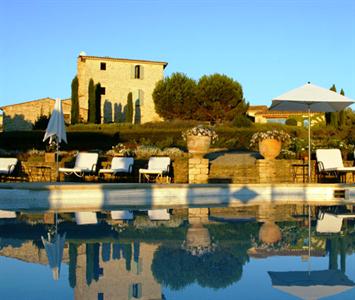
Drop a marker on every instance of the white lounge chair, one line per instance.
(158, 167)
(121, 215)
(7, 165)
(85, 217)
(7, 214)
(329, 161)
(158, 215)
(331, 223)
(119, 165)
(85, 164)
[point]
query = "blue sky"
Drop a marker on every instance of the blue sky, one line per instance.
(269, 46)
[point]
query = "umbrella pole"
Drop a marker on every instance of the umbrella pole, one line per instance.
(57, 158)
(309, 144)
(309, 239)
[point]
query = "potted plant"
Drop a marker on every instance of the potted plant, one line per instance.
(199, 139)
(49, 155)
(269, 142)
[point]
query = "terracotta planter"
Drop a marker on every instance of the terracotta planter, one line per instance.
(270, 233)
(49, 157)
(198, 144)
(270, 148)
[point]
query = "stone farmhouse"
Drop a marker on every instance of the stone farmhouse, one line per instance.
(118, 78)
(261, 114)
(22, 116)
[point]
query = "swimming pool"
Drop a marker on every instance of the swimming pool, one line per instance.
(255, 252)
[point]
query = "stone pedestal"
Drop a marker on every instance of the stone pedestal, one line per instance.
(198, 170)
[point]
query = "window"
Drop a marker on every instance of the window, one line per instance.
(103, 90)
(137, 72)
(103, 66)
(276, 120)
(136, 290)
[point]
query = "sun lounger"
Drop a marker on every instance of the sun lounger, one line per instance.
(121, 215)
(85, 164)
(158, 167)
(331, 223)
(7, 214)
(158, 215)
(86, 217)
(119, 166)
(7, 165)
(329, 161)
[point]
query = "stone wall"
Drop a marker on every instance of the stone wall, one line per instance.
(193, 170)
(118, 81)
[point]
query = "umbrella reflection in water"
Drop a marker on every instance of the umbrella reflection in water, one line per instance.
(311, 284)
(54, 245)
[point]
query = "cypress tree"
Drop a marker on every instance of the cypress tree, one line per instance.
(74, 101)
(333, 88)
(331, 118)
(98, 103)
(341, 113)
(73, 254)
(129, 112)
(92, 104)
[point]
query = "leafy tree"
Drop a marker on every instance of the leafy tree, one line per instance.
(74, 101)
(220, 98)
(129, 109)
(98, 103)
(92, 104)
(175, 97)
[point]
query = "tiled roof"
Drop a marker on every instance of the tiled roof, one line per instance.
(279, 113)
(257, 107)
(26, 102)
(124, 59)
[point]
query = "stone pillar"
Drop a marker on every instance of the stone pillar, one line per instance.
(198, 170)
(198, 215)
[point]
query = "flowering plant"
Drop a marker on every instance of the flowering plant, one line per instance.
(121, 150)
(201, 130)
(281, 136)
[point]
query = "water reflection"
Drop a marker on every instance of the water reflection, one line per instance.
(137, 258)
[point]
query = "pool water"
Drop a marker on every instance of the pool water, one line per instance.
(263, 252)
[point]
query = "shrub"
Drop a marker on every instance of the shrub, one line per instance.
(242, 121)
(41, 123)
(291, 122)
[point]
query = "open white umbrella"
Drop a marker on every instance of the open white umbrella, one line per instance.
(313, 284)
(310, 98)
(56, 128)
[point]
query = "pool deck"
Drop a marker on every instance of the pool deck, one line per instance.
(89, 196)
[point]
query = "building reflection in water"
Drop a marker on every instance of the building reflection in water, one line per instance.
(113, 271)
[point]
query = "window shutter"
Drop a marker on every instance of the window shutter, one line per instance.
(142, 72)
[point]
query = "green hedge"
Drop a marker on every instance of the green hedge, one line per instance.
(163, 134)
